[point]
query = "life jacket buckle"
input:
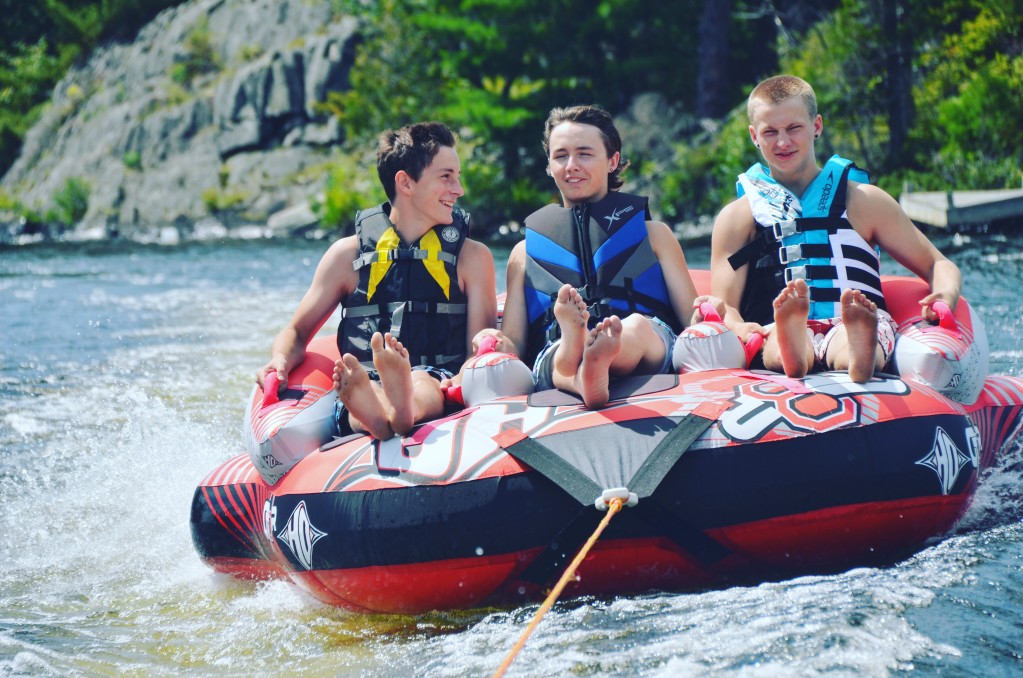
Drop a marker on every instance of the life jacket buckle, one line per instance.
(795, 273)
(790, 253)
(782, 229)
(553, 333)
(600, 310)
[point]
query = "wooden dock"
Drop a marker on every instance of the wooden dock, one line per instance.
(954, 209)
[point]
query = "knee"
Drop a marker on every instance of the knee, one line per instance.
(422, 382)
(637, 327)
(426, 394)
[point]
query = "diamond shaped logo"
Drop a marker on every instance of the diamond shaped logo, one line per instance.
(301, 535)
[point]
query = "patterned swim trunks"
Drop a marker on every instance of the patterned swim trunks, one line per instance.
(822, 332)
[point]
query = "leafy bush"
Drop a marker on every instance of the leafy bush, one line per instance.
(701, 178)
(218, 199)
(491, 196)
(350, 185)
(200, 56)
(71, 202)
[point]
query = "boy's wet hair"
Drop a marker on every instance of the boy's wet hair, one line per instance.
(411, 148)
(599, 118)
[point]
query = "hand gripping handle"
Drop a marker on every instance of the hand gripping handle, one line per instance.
(488, 344)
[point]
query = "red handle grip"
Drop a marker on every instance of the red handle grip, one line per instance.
(709, 313)
(946, 320)
(453, 395)
(487, 345)
(753, 344)
(270, 385)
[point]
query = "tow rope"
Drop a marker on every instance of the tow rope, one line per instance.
(612, 504)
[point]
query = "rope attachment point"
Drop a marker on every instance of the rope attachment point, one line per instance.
(621, 493)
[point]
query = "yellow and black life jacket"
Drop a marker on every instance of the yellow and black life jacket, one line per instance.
(409, 290)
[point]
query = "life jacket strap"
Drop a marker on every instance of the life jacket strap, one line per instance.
(426, 307)
(414, 253)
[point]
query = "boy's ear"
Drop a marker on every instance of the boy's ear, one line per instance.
(403, 182)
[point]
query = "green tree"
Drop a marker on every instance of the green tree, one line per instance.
(960, 129)
(40, 40)
(27, 75)
(971, 99)
(493, 68)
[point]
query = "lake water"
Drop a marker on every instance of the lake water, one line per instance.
(124, 369)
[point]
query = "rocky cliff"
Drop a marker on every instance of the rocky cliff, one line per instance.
(212, 116)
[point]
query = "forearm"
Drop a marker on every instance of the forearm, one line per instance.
(946, 282)
(288, 349)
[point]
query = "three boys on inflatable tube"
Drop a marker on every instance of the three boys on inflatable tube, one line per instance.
(597, 289)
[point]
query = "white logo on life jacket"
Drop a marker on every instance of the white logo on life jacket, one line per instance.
(301, 535)
(449, 233)
(616, 215)
(946, 460)
(826, 192)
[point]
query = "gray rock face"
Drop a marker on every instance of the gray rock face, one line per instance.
(212, 111)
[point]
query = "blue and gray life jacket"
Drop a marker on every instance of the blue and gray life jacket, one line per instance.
(808, 237)
(603, 250)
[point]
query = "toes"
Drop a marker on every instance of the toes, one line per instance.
(376, 342)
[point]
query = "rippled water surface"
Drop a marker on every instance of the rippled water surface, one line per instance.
(123, 374)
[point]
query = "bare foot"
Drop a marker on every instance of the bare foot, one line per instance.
(859, 316)
(391, 360)
(359, 397)
(603, 344)
(791, 308)
(572, 316)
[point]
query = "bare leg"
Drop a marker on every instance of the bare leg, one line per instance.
(428, 397)
(791, 309)
(642, 349)
(603, 344)
(359, 396)
(859, 317)
(571, 314)
(391, 360)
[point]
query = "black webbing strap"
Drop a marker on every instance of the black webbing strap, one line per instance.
(667, 453)
(556, 469)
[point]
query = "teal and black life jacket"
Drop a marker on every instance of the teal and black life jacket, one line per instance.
(603, 250)
(410, 291)
(820, 246)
